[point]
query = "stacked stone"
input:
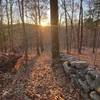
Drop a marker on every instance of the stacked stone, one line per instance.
(82, 76)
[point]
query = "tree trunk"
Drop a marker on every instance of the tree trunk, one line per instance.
(72, 26)
(1, 41)
(67, 40)
(80, 28)
(8, 22)
(81, 33)
(40, 34)
(25, 41)
(11, 28)
(94, 41)
(54, 28)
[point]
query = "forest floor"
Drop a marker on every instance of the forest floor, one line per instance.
(40, 81)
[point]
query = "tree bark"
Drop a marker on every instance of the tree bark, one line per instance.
(80, 28)
(25, 41)
(40, 34)
(54, 28)
(66, 21)
(11, 28)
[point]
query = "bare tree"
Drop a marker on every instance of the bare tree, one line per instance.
(25, 41)
(9, 14)
(37, 9)
(69, 7)
(8, 22)
(33, 7)
(1, 42)
(40, 34)
(54, 28)
(80, 28)
(66, 22)
(11, 22)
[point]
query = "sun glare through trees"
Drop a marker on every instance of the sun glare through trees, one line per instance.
(49, 49)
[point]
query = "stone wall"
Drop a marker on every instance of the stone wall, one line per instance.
(82, 76)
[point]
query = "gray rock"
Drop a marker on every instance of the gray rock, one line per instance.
(85, 96)
(74, 80)
(63, 59)
(73, 71)
(66, 67)
(68, 58)
(62, 54)
(94, 96)
(71, 59)
(83, 77)
(93, 81)
(83, 86)
(97, 84)
(79, 64)
(93, 74)
(90, 82)
(81, 74)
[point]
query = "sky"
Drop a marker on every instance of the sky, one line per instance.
(46, 21)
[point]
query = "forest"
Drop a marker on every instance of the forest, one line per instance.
(49, 49)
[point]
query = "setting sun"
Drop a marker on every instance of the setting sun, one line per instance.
(44, 23)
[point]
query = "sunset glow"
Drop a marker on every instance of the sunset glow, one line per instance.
(44, 23)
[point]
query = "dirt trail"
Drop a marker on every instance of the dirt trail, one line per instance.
(41, 81)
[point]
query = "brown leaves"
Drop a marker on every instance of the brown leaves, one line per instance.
(41, 82)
